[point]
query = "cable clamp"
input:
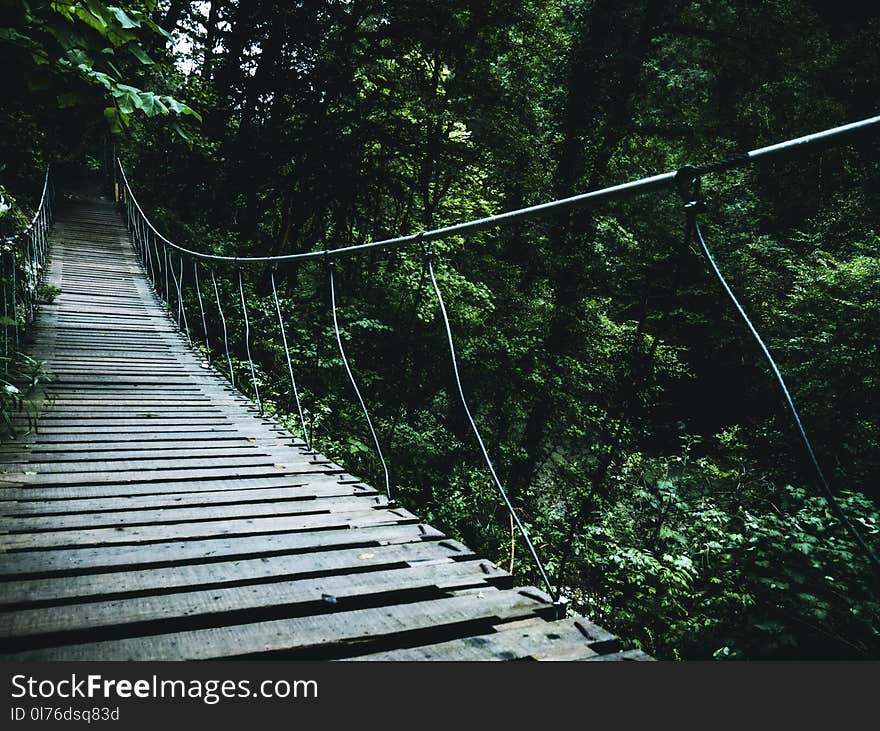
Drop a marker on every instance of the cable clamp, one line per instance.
(688, 184)
(427, 253)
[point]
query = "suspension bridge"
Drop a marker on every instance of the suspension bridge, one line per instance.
(155, 512)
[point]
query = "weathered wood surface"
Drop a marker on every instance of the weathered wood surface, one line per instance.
(154, 514)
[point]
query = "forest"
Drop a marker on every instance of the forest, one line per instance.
(637, 428)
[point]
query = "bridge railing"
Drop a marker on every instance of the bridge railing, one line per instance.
(164, 263)
(23, 258)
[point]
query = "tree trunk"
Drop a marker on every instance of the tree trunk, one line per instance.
(210, 40)
(602, 88)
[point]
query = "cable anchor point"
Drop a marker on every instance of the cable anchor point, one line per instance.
(560, 606)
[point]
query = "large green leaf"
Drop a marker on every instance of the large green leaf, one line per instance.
(140, 54)
(90, 18)
(151, 104)
(124, 19)
(181, 108)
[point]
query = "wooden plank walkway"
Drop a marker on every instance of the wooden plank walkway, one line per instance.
(156, 515)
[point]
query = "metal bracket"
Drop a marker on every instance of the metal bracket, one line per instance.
(688, 185)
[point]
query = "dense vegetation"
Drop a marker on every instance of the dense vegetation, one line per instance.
(632, 419)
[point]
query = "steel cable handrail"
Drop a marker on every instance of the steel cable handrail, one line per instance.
(829, 137)
(26, 265)
(37, 213)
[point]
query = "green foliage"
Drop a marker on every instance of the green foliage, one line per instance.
(85, 55)
(21, 376)
(697, 560)
(46, 293)
(12, 218)
(628, 413)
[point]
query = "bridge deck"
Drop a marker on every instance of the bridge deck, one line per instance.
(156, 515)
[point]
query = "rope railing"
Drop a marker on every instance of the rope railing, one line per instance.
(23, 257)
(683, 179)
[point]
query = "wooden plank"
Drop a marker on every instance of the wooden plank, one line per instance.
(208, 498)
(84, 424)
(535, 639)
(213, 434)
(144, 465)
(54, 457)
(323, 635)
(78, 560)
(111, 490)
(626, 655)
(138, 476)
(18, 523)
(217, 573)
(151, 410)
(164, 612)
(205, 529)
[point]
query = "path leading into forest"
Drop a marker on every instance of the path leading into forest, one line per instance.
(154, 514)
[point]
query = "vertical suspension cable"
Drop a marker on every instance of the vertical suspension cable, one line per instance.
(247, 341)
(160, 259)
(830, 497)
(176, 289)
(302, 420)
(158, 278)
(35, 272)
(44, 243)
(32, 271)
(688, 182)
(139, 238)
(37, 265)
(15, 294)
(354, 385)
(5, 310)
(145, 246)
(165, 268)
(225, 331)
(148, 257)
(38, 238)
(29, 272)
(176, 281)
(501, 491)
(26, 277)
(181, 305)
(202, 310)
